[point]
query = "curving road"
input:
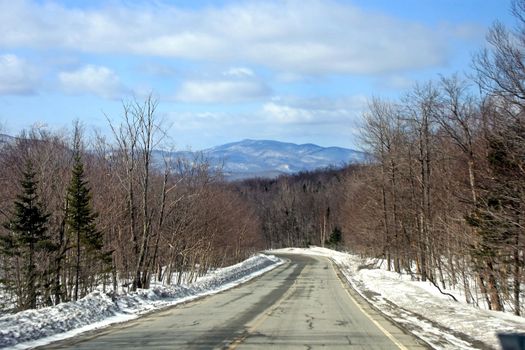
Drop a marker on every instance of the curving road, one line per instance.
(302, 304)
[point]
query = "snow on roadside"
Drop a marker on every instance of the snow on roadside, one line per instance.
(32, 328)
(420, 307)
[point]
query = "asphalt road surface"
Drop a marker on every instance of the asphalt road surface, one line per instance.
(302, 304)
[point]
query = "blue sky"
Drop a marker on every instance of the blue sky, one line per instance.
(298, 71)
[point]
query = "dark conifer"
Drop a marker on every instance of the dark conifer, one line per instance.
(87, 241)
(27, 237)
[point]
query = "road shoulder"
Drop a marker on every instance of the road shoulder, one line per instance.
(398, 334)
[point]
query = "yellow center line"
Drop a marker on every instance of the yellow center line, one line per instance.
(387, 333)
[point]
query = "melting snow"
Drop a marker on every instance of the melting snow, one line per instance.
(32, 328)
(420, 307)
(417, 306)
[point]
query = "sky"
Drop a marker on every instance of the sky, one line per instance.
(291, 70)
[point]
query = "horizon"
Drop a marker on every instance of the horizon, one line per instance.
(222, 71)
(162, 149)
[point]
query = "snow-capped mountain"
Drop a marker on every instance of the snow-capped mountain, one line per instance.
(264, 158)
(261, 158)
(6, 139)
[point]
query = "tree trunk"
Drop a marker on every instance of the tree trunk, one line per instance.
(517, 274)
(492, 289)
(77, 268)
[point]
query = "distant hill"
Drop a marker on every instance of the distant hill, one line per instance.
(265, 158)
(262, 158)
(6, 138)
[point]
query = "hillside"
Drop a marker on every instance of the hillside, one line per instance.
(265, 158)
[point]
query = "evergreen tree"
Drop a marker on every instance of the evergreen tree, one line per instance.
(498, 214)
(336, 238)
(27, 237)
(80, 218)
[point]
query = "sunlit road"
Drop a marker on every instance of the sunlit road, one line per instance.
(302, 304)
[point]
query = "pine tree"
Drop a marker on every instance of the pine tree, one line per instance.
(80, 218)
(336, 238)
(27, 237)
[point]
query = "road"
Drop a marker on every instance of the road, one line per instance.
(300, 305)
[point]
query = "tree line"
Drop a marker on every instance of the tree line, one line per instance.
(449, 181)
(301, 209)
(84, 213)
(443, 195)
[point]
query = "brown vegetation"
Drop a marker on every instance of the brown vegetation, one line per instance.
(153, 221)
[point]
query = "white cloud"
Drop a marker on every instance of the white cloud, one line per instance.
(90, 79)
(295, 36)
(325, 103)
(320, 110)
(287, 114)
(221, 91)
(397, 82)
(216, 128)
(17, 77)
(239, 72)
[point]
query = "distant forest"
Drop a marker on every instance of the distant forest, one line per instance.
(442, 197)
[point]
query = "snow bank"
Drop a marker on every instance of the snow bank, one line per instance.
(419, 307)
(38, 327)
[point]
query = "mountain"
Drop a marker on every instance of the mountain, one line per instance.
(261, 158)
(6, 139)
(264, 158)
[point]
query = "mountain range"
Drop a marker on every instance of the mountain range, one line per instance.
(265, 158)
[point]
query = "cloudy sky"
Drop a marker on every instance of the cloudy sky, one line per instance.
(298, 70)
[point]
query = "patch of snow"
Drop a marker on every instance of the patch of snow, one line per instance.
(32, 328)
(419, 307)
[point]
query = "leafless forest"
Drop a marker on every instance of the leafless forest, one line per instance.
(152, 221)
(441, 198)
(443, 195)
